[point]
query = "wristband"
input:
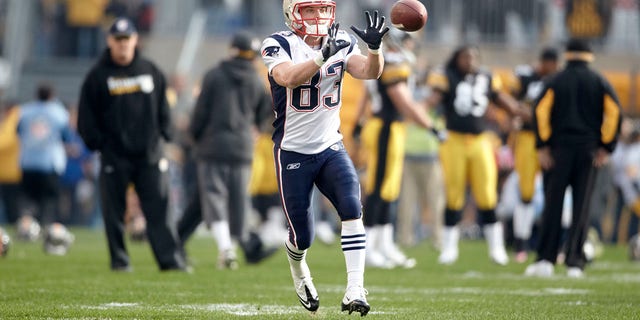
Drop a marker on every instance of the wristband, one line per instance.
(375, 51)
(319, 60)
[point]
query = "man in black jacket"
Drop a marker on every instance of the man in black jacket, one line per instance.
(577, 122)
(233, 103)
(124, 114)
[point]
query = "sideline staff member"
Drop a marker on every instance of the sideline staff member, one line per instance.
(123, 113)
(577, 122)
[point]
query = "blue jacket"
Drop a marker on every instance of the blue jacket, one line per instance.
(43, 129)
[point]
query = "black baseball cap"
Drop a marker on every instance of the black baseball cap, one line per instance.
(122, 27)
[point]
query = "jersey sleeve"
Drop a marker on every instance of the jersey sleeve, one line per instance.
(437, 80)
(394, 73)
(273, 53)
(611, 118)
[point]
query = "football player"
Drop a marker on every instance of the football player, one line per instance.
(306, 65)
(529, 85)
(467, 156)
(384, 137)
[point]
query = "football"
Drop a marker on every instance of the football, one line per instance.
(408, 15)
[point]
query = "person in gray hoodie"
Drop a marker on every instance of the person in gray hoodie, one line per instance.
(232, 106)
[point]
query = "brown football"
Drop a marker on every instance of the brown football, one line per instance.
(408, 15)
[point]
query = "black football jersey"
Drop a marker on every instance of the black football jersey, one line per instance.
(465, 98)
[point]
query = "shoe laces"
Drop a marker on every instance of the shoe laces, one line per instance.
(357, 293)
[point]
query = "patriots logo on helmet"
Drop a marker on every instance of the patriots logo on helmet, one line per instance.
(271, 52)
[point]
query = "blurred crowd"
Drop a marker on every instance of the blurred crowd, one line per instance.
(75, 28)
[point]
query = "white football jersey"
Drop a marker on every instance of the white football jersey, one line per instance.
(307, 117)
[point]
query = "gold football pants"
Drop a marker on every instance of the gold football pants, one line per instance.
(526, 163)
(469, 159)
(385, 158)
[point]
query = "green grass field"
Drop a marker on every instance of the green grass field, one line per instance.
(81, 286)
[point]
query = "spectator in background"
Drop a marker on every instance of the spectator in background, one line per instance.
(43, 130)
(625, 168)
(577, 122)
(85, 18)
(144, 14)
(124, 114)
(10, 172)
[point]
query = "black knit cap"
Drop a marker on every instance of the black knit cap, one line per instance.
(549, 54)
(578, 45)
(245, 41)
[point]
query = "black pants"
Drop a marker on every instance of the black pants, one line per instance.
(42, 195)
(11, 195)
(151, 185)
(191, 217)
(573, 167)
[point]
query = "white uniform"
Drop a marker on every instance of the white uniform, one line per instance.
(307, 117)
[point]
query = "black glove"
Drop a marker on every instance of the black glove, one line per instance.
(374, 32)
(332, 46)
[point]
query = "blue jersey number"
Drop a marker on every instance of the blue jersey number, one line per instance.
(306, 97)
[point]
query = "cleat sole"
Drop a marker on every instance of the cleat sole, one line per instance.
(356, 306)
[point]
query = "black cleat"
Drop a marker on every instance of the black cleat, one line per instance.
(355, 300)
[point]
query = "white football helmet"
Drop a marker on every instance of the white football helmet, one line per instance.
(315, 27)
(57, 239)
(28, 228)
(5, 242)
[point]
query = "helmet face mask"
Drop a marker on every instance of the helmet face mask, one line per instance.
(313, 27)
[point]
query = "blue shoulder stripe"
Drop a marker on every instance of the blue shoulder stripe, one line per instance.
(283, 43)
(353, 43)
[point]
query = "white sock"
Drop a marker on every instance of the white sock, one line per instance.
(297, 261)
(353, 240)
(386, 241)
(523, 217)
(494, 235)
(450, 238)
(220, 232)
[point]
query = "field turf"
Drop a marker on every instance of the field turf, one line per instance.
(81, 286)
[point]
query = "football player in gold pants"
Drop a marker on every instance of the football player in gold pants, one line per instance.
(467, 156)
